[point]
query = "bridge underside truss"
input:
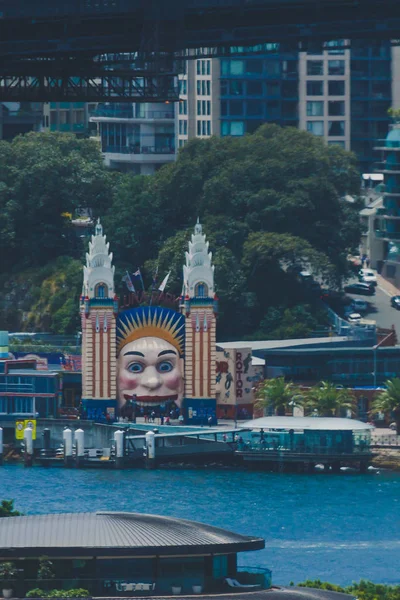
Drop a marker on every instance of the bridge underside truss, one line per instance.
(53, 50)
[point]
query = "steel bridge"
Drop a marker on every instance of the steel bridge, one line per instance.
(105, 50)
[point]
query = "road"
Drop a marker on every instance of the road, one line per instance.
(380, 309)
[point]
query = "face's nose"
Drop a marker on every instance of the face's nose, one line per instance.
(151, 378)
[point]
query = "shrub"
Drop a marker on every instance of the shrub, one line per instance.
(74, 593)
(36, 593)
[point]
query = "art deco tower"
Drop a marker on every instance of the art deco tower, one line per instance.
(98, 309)
(199, 308)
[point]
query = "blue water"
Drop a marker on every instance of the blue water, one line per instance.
(338, 528)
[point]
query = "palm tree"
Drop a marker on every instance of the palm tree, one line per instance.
(278, 394)
(388, 401)
(328, 400)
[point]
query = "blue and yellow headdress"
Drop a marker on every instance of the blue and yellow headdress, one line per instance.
(151, 321)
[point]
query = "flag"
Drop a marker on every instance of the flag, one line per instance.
(138, 274)
(164, 282)
(128, 281)
(155, 275)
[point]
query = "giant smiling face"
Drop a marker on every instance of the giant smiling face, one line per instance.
(149, 369)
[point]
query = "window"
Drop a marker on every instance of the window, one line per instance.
(315, 88)
(232, 67)
(335, 47)
(254, 108)
(336, 67)
(183, 107)
(315, 108)
(182, 143)
(203, 107)
(336, 88)
(203, 127)
(203, 87)
(254, 66)
(183, 126)
(232, 128)
(336, 143)
(336, 108)
(273, 68)
(220, 567)
(254, 88)
(315, 127)
(101, 290)
(236, 88)
(336, 128)
(315, 67)
(273, 88)
(23, 405)
(236, 107)
(203, 67)
(289, 89)
(183, 86)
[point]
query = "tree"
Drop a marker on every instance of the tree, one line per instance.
(278, 395)
(44, 177)
(7, 509)
(328, 400)
(388, 401)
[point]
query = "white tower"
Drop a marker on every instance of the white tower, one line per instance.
(199, 307)
(98, 309)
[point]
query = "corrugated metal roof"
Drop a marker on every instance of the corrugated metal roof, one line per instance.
(112, 530)
(301, 423)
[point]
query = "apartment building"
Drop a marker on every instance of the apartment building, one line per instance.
(198, 112)
(136, 138)
(68, 117)
(338, 93)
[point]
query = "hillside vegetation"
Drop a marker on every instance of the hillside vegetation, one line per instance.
(270, 204)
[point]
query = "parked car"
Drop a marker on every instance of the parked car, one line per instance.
(359, 306)
(354, 318)
(365, 289)
(367, 276)
(68, 412)
(395, 302)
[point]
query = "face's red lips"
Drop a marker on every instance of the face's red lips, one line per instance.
(152, 399)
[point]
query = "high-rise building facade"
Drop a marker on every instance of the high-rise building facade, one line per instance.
(139, 138)
(338, 93)
(198, 112)
(324, 94)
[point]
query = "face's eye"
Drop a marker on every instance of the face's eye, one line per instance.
(135, 367)
(165, 366)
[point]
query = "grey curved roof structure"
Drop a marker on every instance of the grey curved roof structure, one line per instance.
(102, 533)
(309, 423)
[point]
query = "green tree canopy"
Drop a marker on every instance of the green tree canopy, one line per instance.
(270, 203)
(43, 178)
(7, 509)
(328, 400)
(388, 401)
(278, 395)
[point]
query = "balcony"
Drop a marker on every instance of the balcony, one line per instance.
(138, 149)
(128, 113)
(148, 585)
(17, 388)
(387, 145)
(387, 235)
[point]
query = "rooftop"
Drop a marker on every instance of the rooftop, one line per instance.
(119, 533)
(307, 423)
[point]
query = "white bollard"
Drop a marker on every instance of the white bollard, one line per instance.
(80, 446)
(67, 439)
(1, 446)
(119, 439)
(28, 440)
(151, 449)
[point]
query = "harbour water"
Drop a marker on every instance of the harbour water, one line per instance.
(337, 528)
